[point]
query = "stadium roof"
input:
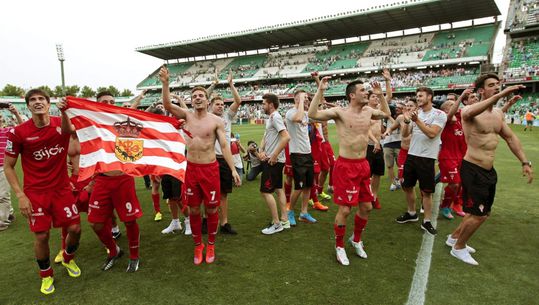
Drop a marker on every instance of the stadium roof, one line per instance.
(406, 14)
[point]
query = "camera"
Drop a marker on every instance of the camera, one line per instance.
(4, 105)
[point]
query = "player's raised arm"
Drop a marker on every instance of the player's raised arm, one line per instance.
(321, 115)
(136, 101)
(385, 113)
(464, 95)
(176, 110)
(237, 98)
(67, 127)
(387, 77)
(469, 112)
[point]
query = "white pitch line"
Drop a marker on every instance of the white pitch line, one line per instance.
(421, 274)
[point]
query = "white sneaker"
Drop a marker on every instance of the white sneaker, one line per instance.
(464, 256)
(187, 225)
(452, 241)
(285, 224)
(358, 247)
(272, 229)
(173, 226)
(341, 256)
(392, 187)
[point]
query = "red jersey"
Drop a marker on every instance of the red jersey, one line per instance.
(453, 143)
(43, 154)
(287, 155)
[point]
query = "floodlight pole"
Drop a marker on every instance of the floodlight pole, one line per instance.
(61, 58)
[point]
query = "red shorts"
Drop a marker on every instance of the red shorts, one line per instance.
(449, 170)
(202, 184)
(52, 206)
(82, 196)
(114, 192)
(288, 171)
(327, 158)
(352, 184)
(155, 179)
(401, 159)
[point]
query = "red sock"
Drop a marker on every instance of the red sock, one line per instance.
(287, 191)
(105, 236)
(64, 236)
(448, 197)
(213, 222)
(359, 226)
(196, 228)
(133, 238)
(156, 200)
(46, 272)
(340, 230)
(67, 257)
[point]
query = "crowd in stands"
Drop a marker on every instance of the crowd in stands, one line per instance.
(522, 58)
(522, 13)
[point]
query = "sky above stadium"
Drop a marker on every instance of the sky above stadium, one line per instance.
(100, 37)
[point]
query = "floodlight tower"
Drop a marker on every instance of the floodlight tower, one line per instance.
(61, 58)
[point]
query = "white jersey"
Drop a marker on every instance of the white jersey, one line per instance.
(421, 145)
(227, 118)
(299, 133)
(274, 125)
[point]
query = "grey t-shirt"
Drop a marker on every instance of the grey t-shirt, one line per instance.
(274, 125)
(299, 133)
(421, 145)
(228, 116)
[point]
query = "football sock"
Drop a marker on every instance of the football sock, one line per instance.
(105, 237)
(359, 226)
(340, 230)
(213, 222)
(287, 191)
(45, 269)
(156, 199)
(133, 238)
(196, 228)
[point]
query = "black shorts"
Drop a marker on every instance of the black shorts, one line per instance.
(303, 170)
(225, 176)
(272, 177)
(376, 161)
(419, 168)
(478, 188)
(172, 187)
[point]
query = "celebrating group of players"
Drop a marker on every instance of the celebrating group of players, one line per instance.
(463, 140)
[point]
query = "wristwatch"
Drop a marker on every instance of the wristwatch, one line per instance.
(529, 163)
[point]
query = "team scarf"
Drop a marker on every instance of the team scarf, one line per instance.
(135, 142)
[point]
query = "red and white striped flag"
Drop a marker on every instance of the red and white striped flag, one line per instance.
(135, 142)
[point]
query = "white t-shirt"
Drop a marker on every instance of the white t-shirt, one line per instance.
(421, 145)
(274, 125)
(299, 133)
(227, 118)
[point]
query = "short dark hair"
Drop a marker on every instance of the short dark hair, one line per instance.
(425, 89)
(272, 98)
(453, 94)
(36, 92)
(480, 80)
(370, 93)
(103, 93)
(351, 87)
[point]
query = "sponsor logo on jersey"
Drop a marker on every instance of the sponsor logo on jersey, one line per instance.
(48, 152)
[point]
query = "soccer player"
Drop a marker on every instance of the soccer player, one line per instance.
(426, 129)
(272, 156)
(375, 154)
(529, 117)
(46, 199)
(202, 175)
(6, 209)
(106, 198)
(217, 106)
(300, 156)
(352, 184)
(482, 123)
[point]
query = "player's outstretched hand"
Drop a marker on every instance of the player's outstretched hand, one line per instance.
(386, 74)
(324, 83)
(512, 89)
(62, 104)
(25, 206)
(527, 171)
(376, 88)
(163, 75)
(237, 178)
